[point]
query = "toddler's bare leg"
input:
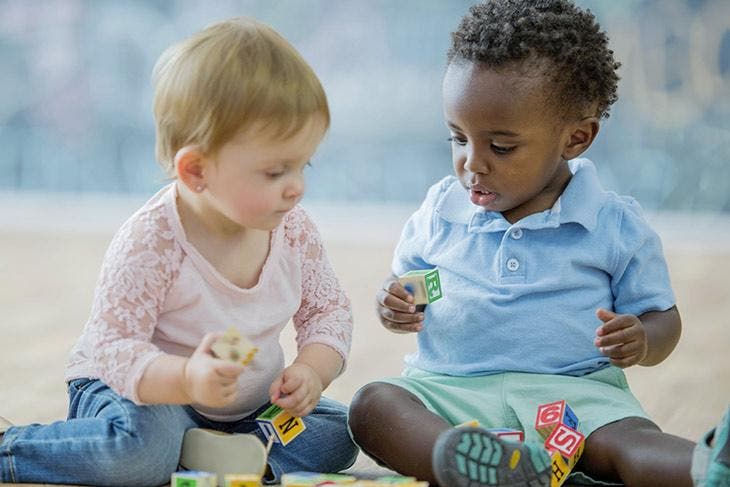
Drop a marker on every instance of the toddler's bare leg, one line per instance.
(392, 426)
(636, 452)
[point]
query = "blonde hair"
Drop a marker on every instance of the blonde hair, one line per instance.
(224, 79)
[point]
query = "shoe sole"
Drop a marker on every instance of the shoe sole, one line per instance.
(471, 457)
(221, 453)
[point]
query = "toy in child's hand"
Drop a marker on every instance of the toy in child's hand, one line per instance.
(276, 423)
(424, 285)
(234, 347)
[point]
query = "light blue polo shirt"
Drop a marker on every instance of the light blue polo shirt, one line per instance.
(523, 296)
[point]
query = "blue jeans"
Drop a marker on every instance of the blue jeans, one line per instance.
(109, 440)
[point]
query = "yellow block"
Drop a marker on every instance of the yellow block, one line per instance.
(559, 469)
(236, 480)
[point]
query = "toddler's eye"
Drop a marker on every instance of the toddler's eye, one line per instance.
(500, 149)
(457, 140)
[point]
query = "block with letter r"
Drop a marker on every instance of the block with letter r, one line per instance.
(424, 285)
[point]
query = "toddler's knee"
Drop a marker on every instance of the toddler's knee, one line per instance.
(368, 404)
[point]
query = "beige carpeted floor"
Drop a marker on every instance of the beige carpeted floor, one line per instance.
(47, 279)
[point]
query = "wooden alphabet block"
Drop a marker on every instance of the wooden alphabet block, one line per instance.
(276, 423)
(508, 434)
(234, 347)
(236, 480)
(193, 478)
(568, 442)
(425, 285)
(549, 416)
(559, 470)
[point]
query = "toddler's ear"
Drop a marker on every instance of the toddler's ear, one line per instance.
(189, 167)
(581, 136)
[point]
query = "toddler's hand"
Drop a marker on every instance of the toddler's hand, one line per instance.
(208, 380)
(621, 338)
(395, 308)
(297, 389)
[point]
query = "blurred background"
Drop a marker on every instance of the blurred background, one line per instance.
(77, 158)
(75, 94)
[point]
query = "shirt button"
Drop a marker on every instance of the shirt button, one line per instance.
(516, 233)
(513, 264)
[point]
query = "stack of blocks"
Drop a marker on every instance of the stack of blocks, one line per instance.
(425, 285)
(557, 424)
(279, 426)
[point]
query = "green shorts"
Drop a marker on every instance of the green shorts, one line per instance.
(511, 399)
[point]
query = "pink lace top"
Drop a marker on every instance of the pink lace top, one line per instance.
(157, 294)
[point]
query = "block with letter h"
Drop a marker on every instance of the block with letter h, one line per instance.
(280, 426)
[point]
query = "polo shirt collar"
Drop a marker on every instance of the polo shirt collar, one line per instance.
(580, 203)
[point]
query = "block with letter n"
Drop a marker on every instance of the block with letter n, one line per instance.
(425, 285)
(282, 426)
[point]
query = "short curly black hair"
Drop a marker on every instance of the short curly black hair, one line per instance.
(498, 33)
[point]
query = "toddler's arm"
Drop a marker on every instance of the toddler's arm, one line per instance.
(645, 340)
(395, 308)
(325, 315)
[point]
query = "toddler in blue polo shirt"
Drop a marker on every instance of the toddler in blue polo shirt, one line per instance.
(552, 285)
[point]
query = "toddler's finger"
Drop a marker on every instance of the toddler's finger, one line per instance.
(207, 342)
(229, 390)
(397, 304)
(605, 315)
(398, 317)
(228, 370)
(275, 389)
(394, 288)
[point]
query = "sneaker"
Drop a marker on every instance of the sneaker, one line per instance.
(473, 457)
(222, 453)
(711, 464)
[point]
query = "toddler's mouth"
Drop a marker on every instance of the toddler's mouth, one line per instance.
(481, 196)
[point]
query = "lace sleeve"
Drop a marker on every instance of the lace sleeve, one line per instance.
(324, 315)
(139, 267)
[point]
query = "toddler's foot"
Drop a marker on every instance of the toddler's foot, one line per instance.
(473, 457)
(711, 459)
(223, 453)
